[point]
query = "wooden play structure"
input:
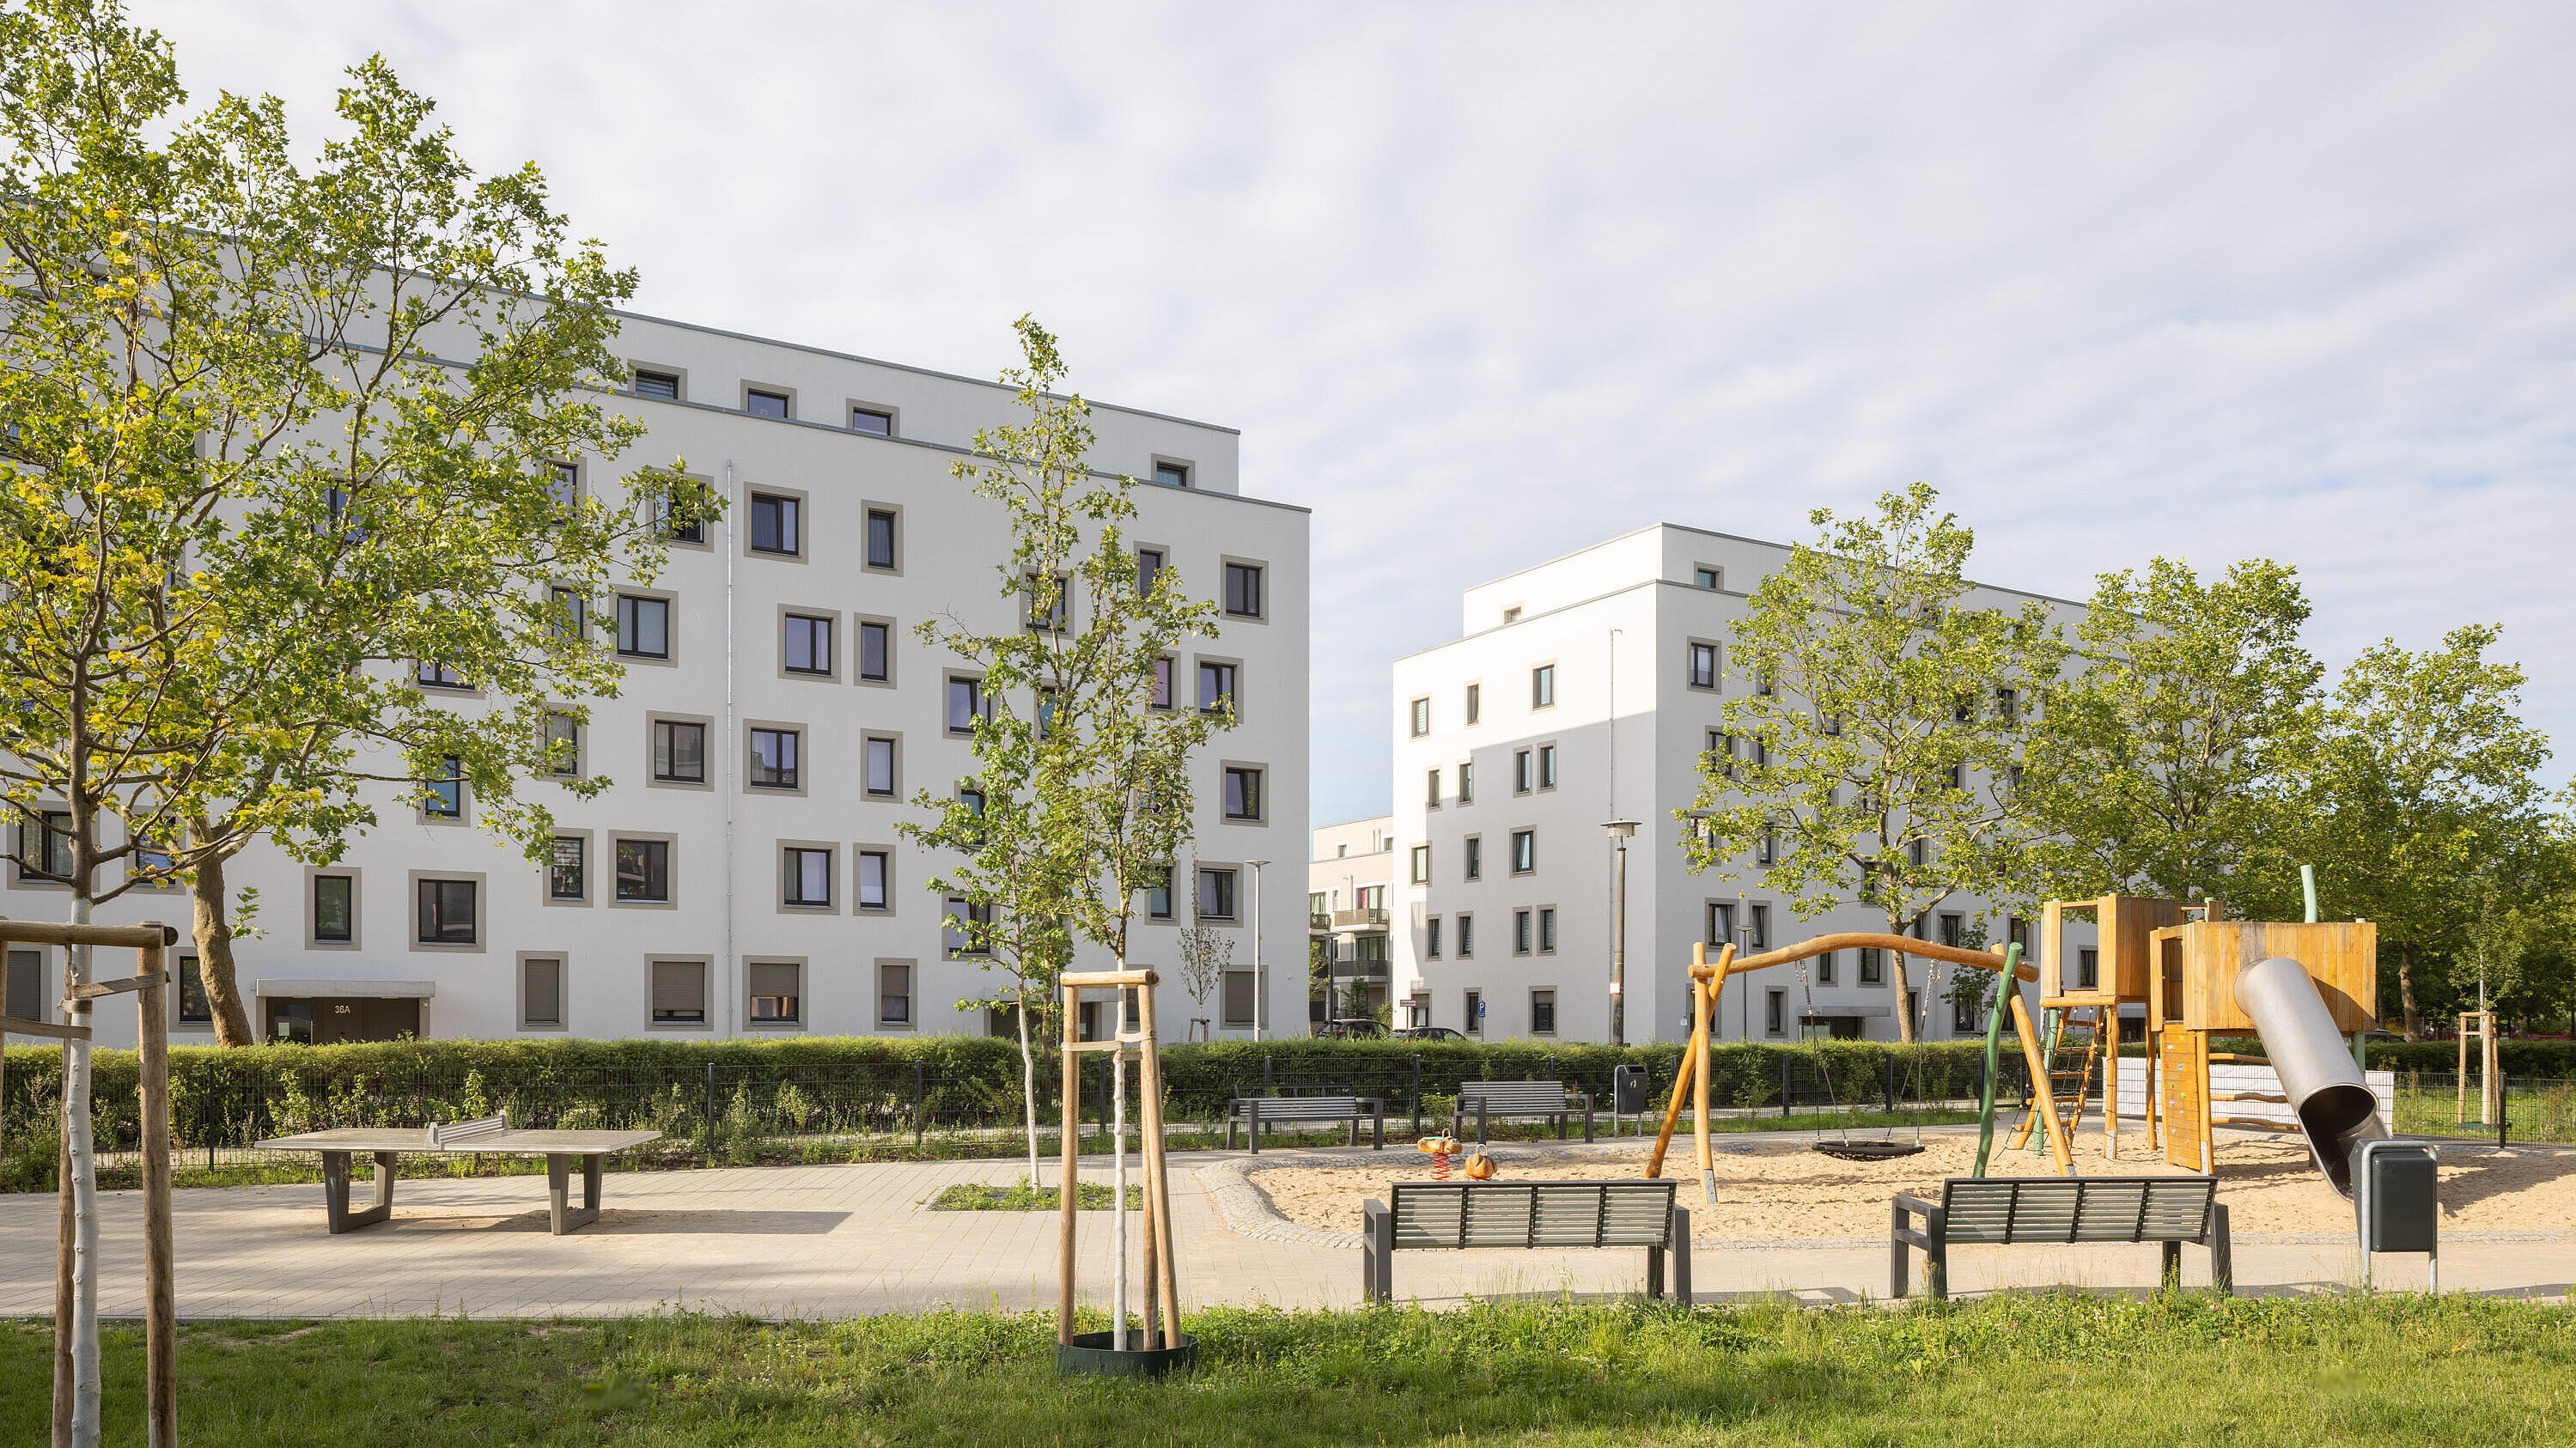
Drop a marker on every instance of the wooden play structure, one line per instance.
(2482, 1025)
(1161, 1342)
(2192, 996)
(76, 1360)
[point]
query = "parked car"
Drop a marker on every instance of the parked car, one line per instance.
(1354, 1028)
(1429, 1033)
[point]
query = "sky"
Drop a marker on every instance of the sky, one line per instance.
(1484, 283)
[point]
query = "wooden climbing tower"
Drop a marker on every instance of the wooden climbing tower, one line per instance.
(2082, 992)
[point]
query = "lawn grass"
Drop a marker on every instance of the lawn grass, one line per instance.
(988, 1197)
(2039, 1370)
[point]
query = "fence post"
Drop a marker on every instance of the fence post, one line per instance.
(1265, 1073)
(1417, 1095)
(1891, 1083)
(1786, 1062)
(2504, 1093)
(920, 1079)
(709, 1110)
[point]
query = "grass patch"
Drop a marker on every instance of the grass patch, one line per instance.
(1019, 1197)
(2039, 1370)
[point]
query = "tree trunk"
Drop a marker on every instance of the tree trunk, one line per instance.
(1029, 1085)
(2406, 991)
(79, 1254)
(1904, 1015)
(214, 934)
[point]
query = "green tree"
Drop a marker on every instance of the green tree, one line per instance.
(2423, 791)
(1870, 754)
(2168, 764)
(1081, 795)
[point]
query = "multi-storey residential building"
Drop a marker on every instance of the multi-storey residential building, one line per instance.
(743, 876)
(1582, 691)
(1346, 885)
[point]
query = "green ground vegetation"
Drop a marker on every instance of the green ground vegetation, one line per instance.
(1018, 1197)
(2023, 1370)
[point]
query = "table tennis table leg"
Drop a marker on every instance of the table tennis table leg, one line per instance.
(335, 1192)
(561, 1214)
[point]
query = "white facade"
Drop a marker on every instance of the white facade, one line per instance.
(730, 877)
(1348, 882)
(1583, 711)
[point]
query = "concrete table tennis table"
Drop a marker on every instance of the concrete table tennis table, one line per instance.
(489, 1134)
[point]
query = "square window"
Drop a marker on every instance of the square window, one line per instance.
(882, 539)
(773, 759)
(1216, 894)
(876, 880)
(881, 780)
(1172, 475)
(679, 752)
(894, 994)
(1158, 896)
(1421, 873)
(1547, 766)
(808, 644)
(1542, 1013)
(335, 908)
(1243, 590)
(679, 992)
(1149, 569)
(444, 798)
(568, 874)
(663, 385)
(1543, 686)
(872, 421)
(643, 626)
(1706, 577)
(563, 746)
(1162, 696)
(764, 404)
(1475, 857)
(774, 524)
(447, 912)
(1547, 932)
(1242, 793)
(808, 877)
(1466, 937)
(1421, 717)
(1216, 688)
(541, 993)
(876, 652)
(1703, 666)
(644, 871)
(965, 704)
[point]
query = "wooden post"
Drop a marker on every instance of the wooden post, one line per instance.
(1689, 1068)
(2111, 1085)
(1068, 1187)
(2043, 1099)
(1163, 1277)
(160, 1292)
(1707, 1053)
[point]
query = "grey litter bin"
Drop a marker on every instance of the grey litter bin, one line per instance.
(1627, 1093)
(2396, 1201)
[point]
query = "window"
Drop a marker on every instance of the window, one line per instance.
(777, 992)
(1466, 937)
(2008, 706)
(1162, 696)
(1542, 1013)
(1706, 577)
(964, 932)
(563, 485)
(1825, 968)
(1149, 567)
(1523, 776)
(1216, 688)
(439, 676)
(1243, 590)
(1475, 857)
(1421, 717)
(568, 876)
(774, 524)
(973, 798)
(773, 759)
(1242, 794)
(678, 530)
(1172, 475)
(1216, 894)
(1766, 848)
(965, 704)
(1475, 703)
(1431, 790)
(196, 1008)
(1049, 607)
(1953, 929)
(873, 421)
(335, 908)
(1721, 924)
(1547, 766)
(1765, 686)
(1431, 938)
(447, 912)
(876, 652)
(894, 994)
(2088, 970)
(444, 798)
(1547, 932)
(1703, 666)
(1774, 1004)
(809, 644)
(1466, 782)
(1512, 615)
(644, 871)
(679, 992)
(882, 538)
(1520, 932)
(1543, 687)
(764, 404)
(1158, 896)
(571, 609)
(806, 877)
(1873, 966)
(876, 880)
(1963, 1016)
(541, 986)
(1421, 874)
(880, 767)
(563, 746)
(45, 845)
(664, 385)
(679, 752)
(1524, 851)
(1757, 920)
(26, 993)
(1474, 1012)
(643, 626)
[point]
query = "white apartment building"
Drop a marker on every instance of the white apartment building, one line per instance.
(1581, 691)
(1347, 878)
(743, 876)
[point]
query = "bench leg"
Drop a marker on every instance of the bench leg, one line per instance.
(1936, 1263)
(1252, 1127)
(1480, 1123)
(1896, 1259)
(1377, 1255)
(1229, 1132)
(1377, 1138)
(2222, 1255)
(561, 1214)
(335, 1192)
(2171, 1274)
(1681, 1254)
(1655, 1272)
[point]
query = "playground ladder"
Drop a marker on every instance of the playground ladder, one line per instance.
(2076, 1036)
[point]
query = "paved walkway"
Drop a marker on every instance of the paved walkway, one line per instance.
(827, 1241)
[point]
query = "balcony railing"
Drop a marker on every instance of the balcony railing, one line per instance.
(1372, 918)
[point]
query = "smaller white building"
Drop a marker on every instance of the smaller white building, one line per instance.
(1346, 883)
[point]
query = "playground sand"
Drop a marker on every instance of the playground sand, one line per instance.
(1782, 1190)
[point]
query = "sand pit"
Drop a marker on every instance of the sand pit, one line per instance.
(1780, 1190)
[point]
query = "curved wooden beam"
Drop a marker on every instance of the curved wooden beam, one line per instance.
(1865, 940)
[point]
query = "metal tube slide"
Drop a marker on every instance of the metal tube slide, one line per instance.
(2336, 1107)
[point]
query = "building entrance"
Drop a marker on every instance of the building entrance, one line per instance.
(330, 1020)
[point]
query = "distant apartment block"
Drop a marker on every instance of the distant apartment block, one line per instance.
(1346, 908)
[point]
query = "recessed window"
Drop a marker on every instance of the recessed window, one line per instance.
(1547, 932)
(26, 992)
(808, 644)
(664, 385)
(1474, 850)
(1520, 932)
(1475, 703)
(1172, 475)
(1158, 895)
(440, 676)
(774, 524)
(1149, 567)
(1431, 938)
(1721, 924)
(1873, 966)
(1421, 873)
(1431, 790)
(806, 877)
(1216, 894)
(1524, 775)
(872, 421)
(1774, 1007)
(876, 652)
(195, 1007)
(1547, 766)
(1702, 673)
(563, 487)
(880, 766)
(1162, 695)
(644, 871)
(1049, 605)
(1242, 793)
(967, 924)
(1466, 937)
(643, 626)
(1524, 851)
(444, 798)
(563, 745)
(1421, 717)
(447, 912)
(568, 873)
(679, 992)
(1706, 577)
(1757, 925)
(541, 993)
(894, 994)
(1237, 997)
(1543, 686)
(1216, 687)
(1511, 615)
(679, 752)
(883, 537)
(876, 880)
(1542, 1013)
(965, 704)
(1243, 590)
(773, 758)
(765, 404)
(1825, 968)
(679, 530)
(335, 908)
(572, 611)
(1466, 782)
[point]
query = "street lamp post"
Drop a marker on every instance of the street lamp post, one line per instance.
(1620, 831)
(1260, 983)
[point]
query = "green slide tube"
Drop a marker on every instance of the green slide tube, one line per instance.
(1994, 1056)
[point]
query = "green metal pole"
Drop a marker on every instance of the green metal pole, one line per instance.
(2308, 882)
(1994, 1057)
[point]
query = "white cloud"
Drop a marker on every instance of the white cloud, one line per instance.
(1479, 281)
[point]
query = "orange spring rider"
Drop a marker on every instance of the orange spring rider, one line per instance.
(1439, 1149)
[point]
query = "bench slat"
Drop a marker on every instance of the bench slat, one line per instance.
(1456, 1216)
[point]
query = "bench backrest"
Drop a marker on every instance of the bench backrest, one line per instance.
(1625, 1213)
(2078, 1209)
(449, 1133)
(1293, 1108)
(1499, 1096)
